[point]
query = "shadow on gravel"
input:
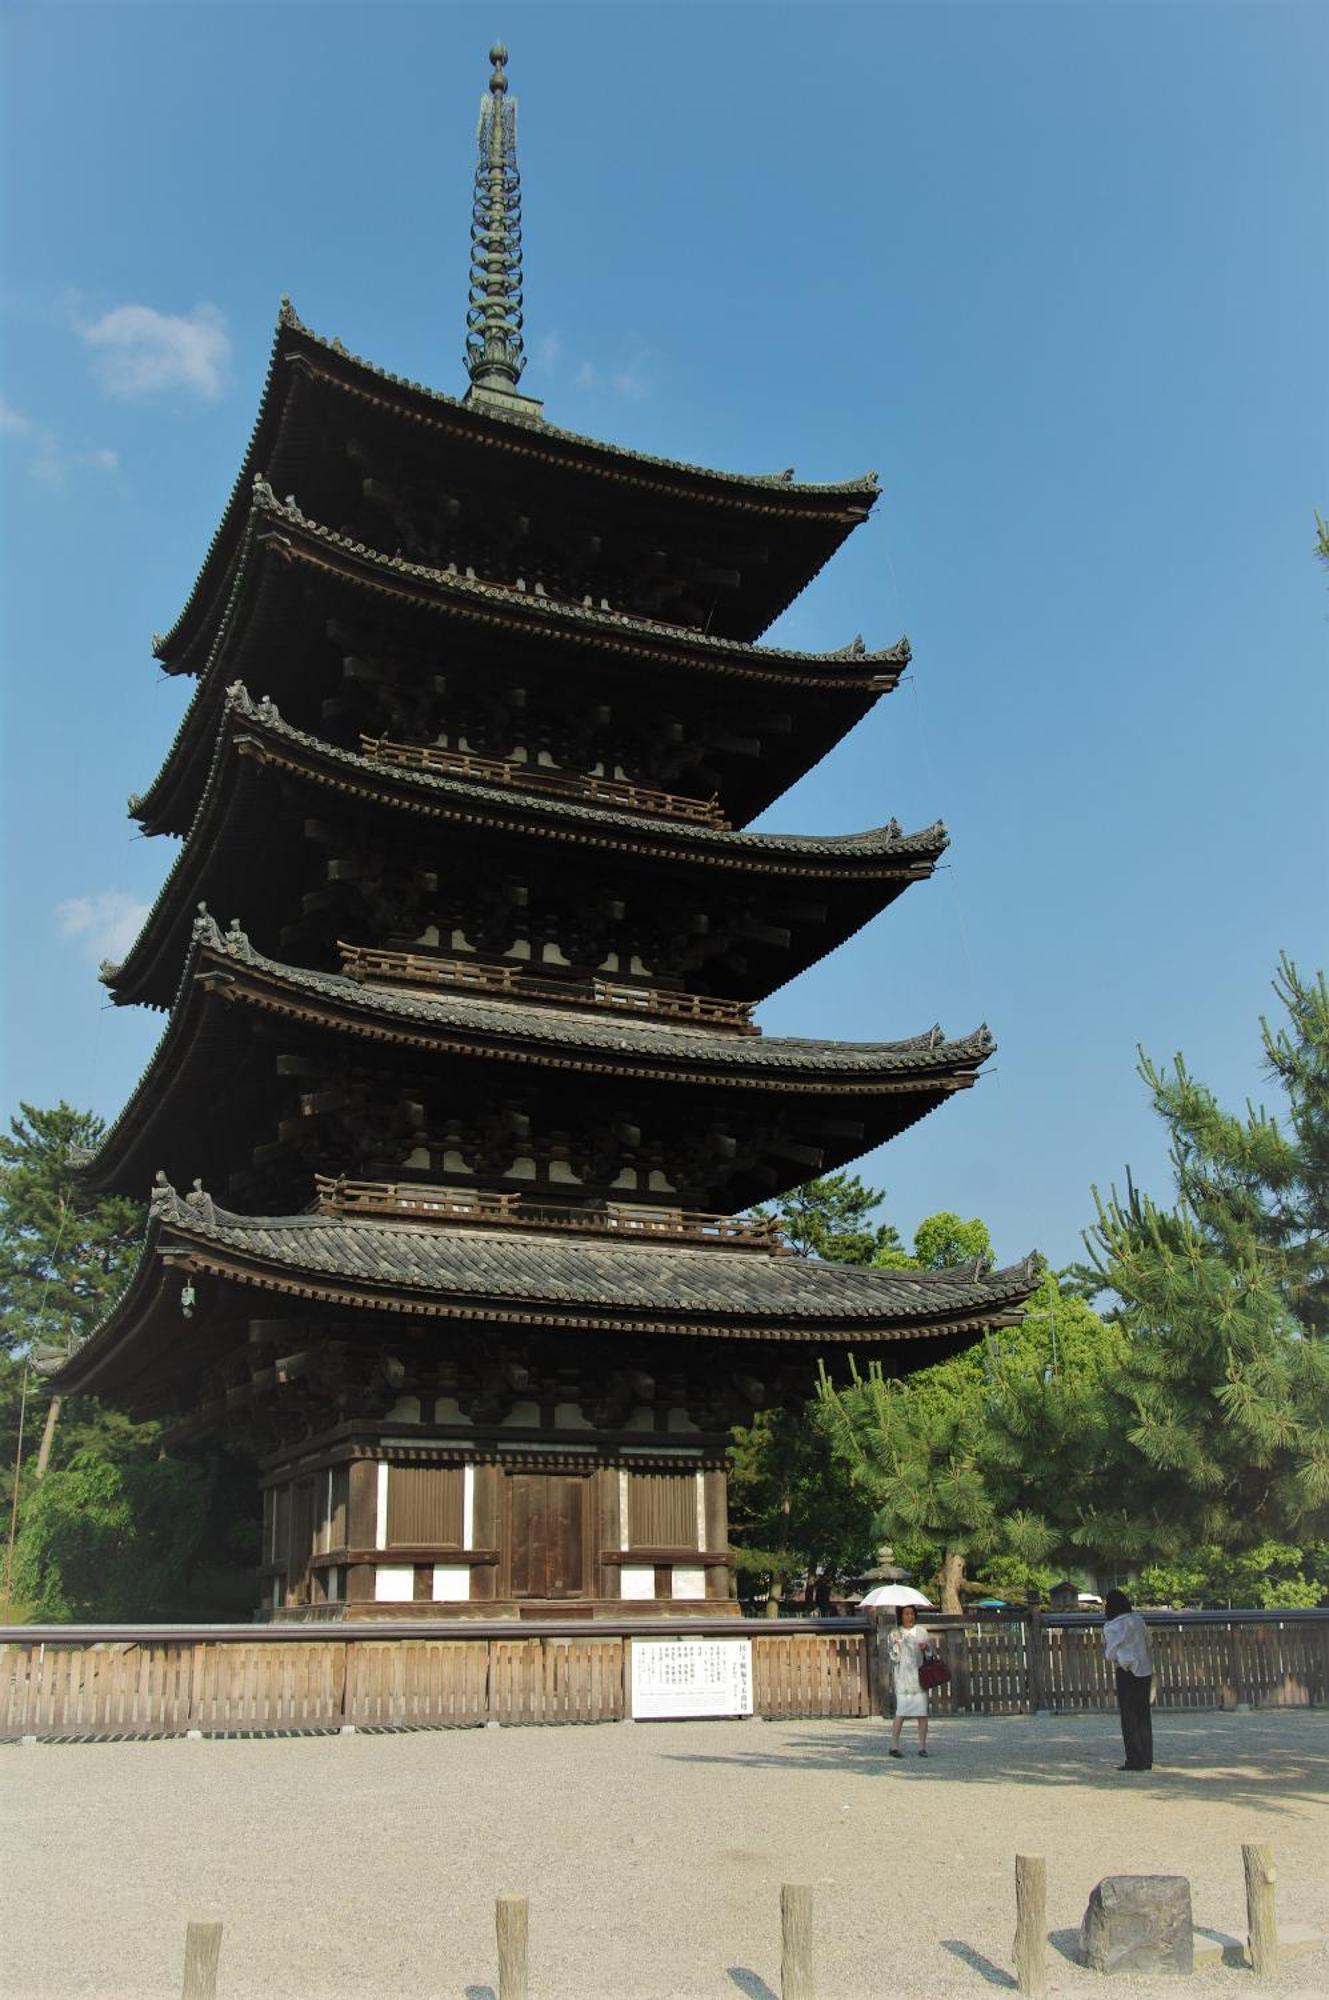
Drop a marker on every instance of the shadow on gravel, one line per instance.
(751, 1983)
(984, 1967)
(1244, 1760)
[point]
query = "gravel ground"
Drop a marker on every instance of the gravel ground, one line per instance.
(652, 1853)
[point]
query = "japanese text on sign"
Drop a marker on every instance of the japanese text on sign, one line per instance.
(682, 1677)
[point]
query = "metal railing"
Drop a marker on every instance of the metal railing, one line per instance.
(585, 786)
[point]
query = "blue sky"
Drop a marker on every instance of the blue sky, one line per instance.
(1058, 272)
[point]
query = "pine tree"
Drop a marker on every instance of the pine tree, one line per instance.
(64, 1256)
(831, 1218)
(1224, 1393)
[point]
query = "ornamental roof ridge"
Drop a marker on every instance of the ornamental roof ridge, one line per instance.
(874, 843)
(778, 482)
(290, 328)
(899, 653)
(197, 1211)
(458, 1271)
(772, 1054)
(265, 506)
(288, 320)
(889, 837)
(566, 1026)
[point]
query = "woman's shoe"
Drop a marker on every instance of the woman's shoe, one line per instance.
(922, 1753)
(895, 1753)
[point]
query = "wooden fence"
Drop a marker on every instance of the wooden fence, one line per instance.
(100, 1681)
(1018, 1663)
(108, 1681)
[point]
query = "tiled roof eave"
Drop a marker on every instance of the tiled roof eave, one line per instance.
(860, 676)
(627, 1288)
(293, 341)
(254, 732)
(529, 1031)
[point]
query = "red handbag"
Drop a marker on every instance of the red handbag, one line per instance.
(934, 1672)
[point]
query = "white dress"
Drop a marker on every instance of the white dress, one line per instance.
(905, 1649)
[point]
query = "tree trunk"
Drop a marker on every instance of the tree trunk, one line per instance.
(952, 1576)
(773, 1596)
(48, 1435)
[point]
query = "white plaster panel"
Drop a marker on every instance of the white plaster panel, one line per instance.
(688, 1582)
(394, 1583)
(452, 1583)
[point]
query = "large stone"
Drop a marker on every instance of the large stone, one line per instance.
(1138, 1923)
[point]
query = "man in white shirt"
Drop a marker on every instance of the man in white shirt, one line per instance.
(1126, 1643)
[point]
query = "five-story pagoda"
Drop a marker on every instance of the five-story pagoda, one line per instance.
(468, 1097)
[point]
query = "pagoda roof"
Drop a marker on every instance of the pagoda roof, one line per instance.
(223, 970)
(850, 678)
(446, 1271)
(826, 512)
(256, 734)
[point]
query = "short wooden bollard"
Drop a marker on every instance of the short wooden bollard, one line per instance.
(1031, 1925)
(1261, 1916)
(512, 1921)
(796, 1942)
(202, 1950)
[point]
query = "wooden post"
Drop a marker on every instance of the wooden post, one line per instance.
(202, 1950)
(1033, 1643)
(1031, 1924)
(796, 1942)
(882, 1681)
(511, 1921)
(1261, 1918)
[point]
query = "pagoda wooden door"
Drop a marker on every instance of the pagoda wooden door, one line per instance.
(547, 1534)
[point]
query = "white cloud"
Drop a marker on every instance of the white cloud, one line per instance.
(632, 378)
(548, 351)
(138, 351)
(13, 423)
(48, 461)
(105, 924)
(635, 377)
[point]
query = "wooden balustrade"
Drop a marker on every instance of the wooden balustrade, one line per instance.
(619, 792)
(419, 1203)
(514, 982)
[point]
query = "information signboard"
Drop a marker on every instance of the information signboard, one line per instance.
(682, 1677)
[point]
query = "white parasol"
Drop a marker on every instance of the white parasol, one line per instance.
(894, 1593)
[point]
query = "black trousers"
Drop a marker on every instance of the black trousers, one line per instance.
(1137, 1729)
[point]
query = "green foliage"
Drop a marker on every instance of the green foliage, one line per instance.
(109, 1536)
(115, 1528)
(1223, 1392)
(985, 1460)
(943, 1241)
(64, 1256)
(791, 1509)
(831, 1218)
(1271, 1576)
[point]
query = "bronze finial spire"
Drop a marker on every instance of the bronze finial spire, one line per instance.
(494, 357)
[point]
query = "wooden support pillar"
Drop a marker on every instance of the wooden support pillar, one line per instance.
(202, 1951)
(511, 1920)
(1031, 1923)
(1261, 1916)
(796, 1981)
